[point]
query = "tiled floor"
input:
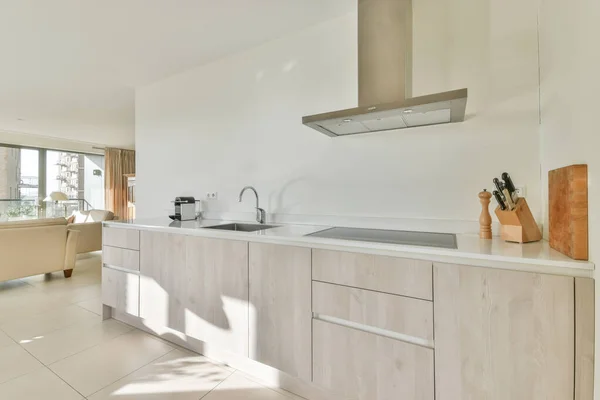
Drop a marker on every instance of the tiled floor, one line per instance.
(54, 346)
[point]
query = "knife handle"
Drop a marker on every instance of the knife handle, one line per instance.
(499, 200)
(509, 200)
(510, 186)
(499, 186)
(508, 182)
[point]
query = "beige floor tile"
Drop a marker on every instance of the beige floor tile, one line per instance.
(102, 365)
(239, 387)
(16, 285)
(27, 303)
(82, 275)
(26, 329)
(36, 385)
(5, 340)
(62, 343)
(179, 375)
(73, 293)
(176, 344)
(93, 305)
(260, 382)
(57, 280)
(15, 361)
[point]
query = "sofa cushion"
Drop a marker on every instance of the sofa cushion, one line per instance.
(82, 217)
(100, 215)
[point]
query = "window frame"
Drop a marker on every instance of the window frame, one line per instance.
(42, 158)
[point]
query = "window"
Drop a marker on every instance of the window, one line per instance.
(28, 175)
(28, 172)
(79, 176)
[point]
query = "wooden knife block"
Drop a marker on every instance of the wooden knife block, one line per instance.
(518, 225)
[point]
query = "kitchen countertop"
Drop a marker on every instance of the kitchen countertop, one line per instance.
(495, 253)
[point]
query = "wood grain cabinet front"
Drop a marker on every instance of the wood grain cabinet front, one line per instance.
(121, 237)
(121, 258)
(401, 276)
(503, 334)
(215, 291)
(411, 318)
(121, 290)
(280, 308)
(364, 366)
(197, 286)
(162, 278)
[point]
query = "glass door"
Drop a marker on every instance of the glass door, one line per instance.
(79, 177)
(19, 183)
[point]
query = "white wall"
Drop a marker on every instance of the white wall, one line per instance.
(570, 96)
(237, 122)
(569, 62)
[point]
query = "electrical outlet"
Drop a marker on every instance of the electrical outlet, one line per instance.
(521, 191)
(212, 195)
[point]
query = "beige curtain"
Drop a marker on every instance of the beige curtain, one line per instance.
(117, 162)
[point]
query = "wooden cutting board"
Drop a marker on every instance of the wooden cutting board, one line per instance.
(568, 210)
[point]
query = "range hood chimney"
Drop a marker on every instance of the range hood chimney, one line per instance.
(385, 79)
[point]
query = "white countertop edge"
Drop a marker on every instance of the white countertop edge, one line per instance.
(447, 256)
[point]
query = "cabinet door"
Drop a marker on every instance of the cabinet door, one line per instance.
(280, 307)
(216, 298)
(503, 334)
(121, 258)
(121, 237)
(162, 279)
(394, 275)
(121, 290)
(364, 366)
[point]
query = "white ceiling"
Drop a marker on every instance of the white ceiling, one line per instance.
(68, 68)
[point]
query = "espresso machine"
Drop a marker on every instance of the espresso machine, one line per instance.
(185, 209)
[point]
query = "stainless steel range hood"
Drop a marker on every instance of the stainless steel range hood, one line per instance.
(385, 79)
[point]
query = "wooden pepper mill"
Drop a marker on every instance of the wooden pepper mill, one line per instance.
(485, 219)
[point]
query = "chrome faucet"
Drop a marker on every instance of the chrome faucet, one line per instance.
(261, 215)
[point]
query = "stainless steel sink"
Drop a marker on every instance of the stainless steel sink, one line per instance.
(429, 239)
(241, 227)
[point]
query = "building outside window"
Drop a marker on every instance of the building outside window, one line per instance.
(79, 176)
(22, 174)
(10, 172)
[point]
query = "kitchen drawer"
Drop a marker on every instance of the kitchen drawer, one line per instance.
(402, 315)
(121, 258)
(121, 290)
(121, 237)
(401, 276)
(365, 366)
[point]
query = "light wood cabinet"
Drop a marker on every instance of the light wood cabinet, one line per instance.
(503, 334)
(162, 278)
(364, 366)
(403, 315)
(584, 338)
(280, 307)
(197, 286)
(122, 258)
(121, 237)
(216, 292)
(121, 290)
(401, 276)
(379, 322)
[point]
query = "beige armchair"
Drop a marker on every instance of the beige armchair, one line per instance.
(35, 247)
(89, 224)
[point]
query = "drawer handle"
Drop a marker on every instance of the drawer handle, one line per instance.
(377, 331)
